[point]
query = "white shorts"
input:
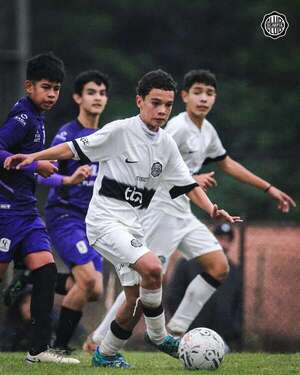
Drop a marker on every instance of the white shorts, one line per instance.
(165, 233)
(122, 249)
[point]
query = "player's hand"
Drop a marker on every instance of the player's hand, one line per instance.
(18, 161)
(79, 175)
(205, 180)
(284, 201)
(224, 215)
(46, 168)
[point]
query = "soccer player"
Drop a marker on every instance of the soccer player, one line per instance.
(67, 207)
(169, 223)
(22, 232)
(135, 156)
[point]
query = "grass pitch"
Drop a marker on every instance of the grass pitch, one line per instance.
(158, 364)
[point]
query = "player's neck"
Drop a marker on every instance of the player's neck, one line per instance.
(88, 120)
(197, 120)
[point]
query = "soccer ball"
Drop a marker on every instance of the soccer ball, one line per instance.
(201, 349)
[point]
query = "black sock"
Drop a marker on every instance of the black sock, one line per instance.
(210, 280)
(43, 280)
(119, 332)
(152, 312)
(68, 321)
(61, 282)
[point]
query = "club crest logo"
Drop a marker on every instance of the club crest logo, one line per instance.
(274, 25)
(136, 243)
(5, 244)
(156, 169)
(84, 140)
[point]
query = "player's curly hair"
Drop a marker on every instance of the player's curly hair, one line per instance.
(156, 79)
(90, 76)
(199, 76)
(45, 66)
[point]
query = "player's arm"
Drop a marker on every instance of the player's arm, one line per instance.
(12, 133)
(177, 174)
(80, 174)
(199, 197)
(59, 152)
(241, 173)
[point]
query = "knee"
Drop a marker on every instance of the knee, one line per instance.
(95, 293)
(220, 271)
(87, 284)
(153, 272)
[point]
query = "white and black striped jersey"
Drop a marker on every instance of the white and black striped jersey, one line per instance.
(133, 162)
(196, 146)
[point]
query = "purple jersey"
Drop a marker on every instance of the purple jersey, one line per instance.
(74, 197)
(22, 132)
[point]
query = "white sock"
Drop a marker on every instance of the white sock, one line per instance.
(100, 332)
(196, 295)
(155, 325)
(111, 344)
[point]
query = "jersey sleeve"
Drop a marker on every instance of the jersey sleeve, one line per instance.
(176, 177)
(99, 146)
(216, 150)
(13, 131)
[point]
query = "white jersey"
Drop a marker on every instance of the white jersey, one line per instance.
(133, 163)
(196, 146)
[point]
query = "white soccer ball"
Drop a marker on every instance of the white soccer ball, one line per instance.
(201, 349)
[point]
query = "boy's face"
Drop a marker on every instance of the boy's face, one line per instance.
(43, 93)
(156, 107)
(200, 99)
(93, 99)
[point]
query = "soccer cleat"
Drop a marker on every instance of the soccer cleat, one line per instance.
(115, 361)
(64, 350)
(51, 356)
(169, 345)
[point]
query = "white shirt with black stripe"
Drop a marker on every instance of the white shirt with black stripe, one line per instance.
(134, 162)
(196, 146)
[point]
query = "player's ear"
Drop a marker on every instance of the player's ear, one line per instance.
(138, 100)
(77, 99)
(28, 86)
(184, 95)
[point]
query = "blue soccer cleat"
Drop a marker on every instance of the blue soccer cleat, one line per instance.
(169, 345)
(115, 361)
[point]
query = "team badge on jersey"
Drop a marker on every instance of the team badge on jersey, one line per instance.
(156, 169)
(5, 244)
(136, 243)
(84, 140)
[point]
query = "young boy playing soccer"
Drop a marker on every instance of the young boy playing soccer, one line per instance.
(67, 207)
(22, 232)
(136, 157)
(169, 224)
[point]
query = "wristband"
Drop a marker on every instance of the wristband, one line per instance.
(268, 188)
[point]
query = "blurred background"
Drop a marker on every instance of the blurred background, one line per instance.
(257, 114)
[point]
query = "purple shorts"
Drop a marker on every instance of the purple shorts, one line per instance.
(22, 235)
(68, 235)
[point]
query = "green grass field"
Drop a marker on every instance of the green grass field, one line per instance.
(159, 364)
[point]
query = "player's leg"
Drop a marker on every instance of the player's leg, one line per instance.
(68, 235)
(39, 259)
(199, 243)
(156, 224)
(87, 286)
(99, 333)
